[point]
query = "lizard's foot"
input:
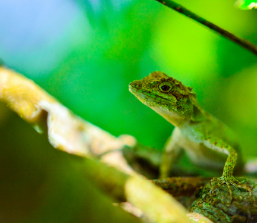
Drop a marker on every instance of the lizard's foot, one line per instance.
(229, 181)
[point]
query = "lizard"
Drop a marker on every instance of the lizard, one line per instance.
(207, 141)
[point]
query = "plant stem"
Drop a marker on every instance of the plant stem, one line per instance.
(179, 8)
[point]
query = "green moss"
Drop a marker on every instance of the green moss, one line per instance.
(215, 202)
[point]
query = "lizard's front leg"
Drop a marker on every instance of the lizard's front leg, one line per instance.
(227, 175)
(171, 152)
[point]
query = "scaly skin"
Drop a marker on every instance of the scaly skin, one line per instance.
(207, 141)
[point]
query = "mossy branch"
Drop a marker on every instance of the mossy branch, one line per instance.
(179, 8)
(181, 186)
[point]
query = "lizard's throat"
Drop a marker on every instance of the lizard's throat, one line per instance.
(170, 116)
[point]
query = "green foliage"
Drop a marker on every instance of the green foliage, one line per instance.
(111, 43)
(246, 4)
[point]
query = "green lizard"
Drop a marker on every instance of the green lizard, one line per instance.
(207, 141)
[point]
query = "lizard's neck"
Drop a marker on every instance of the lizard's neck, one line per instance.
(177, 119)
(198, 114)
(171, 116)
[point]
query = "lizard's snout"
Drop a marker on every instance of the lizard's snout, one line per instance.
(135, 85)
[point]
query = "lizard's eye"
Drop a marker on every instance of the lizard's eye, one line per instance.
(165, 87)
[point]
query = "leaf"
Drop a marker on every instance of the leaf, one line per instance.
(246, 4)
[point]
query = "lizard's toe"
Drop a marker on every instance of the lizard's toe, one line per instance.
(217, 183)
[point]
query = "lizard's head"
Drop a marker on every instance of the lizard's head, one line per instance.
(165, 95)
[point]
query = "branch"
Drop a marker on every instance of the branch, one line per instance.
(71, 134)
(179, 8)
(181, 186)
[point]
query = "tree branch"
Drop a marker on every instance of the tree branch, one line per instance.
(179, 8)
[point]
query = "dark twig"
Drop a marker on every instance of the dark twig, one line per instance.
(179, 8)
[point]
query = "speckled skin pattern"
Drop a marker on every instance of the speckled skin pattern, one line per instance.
(207, 141)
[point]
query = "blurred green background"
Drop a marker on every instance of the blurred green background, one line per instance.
(86, 52)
